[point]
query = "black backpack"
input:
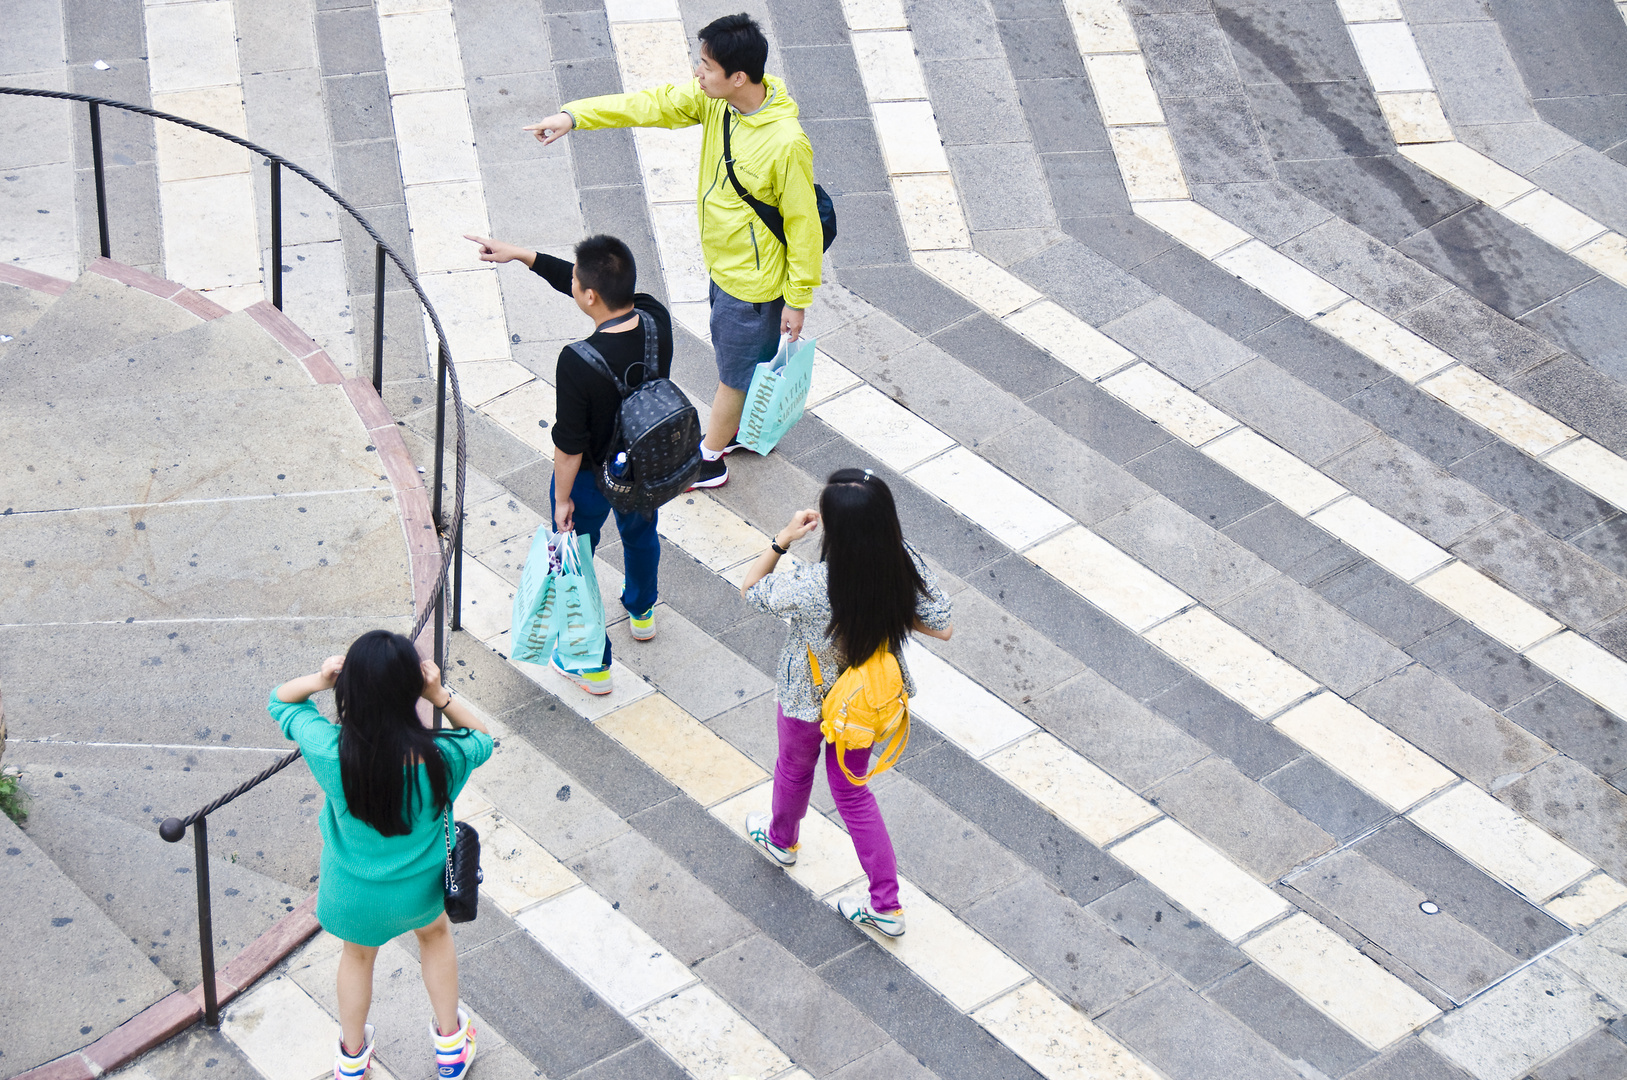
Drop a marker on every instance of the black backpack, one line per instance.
(656, 427)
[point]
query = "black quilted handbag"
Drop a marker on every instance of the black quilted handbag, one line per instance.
(463, 875)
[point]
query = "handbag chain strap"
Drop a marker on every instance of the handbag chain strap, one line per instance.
(448, 820)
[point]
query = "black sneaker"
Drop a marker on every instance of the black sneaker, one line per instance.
(713, 474)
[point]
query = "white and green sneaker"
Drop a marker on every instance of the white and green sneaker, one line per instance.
(594, 680)
(861, 914)
(642, 627)
(757, 829)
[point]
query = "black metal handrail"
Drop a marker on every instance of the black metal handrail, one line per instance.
(449, 538)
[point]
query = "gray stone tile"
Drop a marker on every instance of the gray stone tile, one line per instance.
(1177, 342)
(1072, 864)
(1384, 909)
(1226, 303)
(606, 159)
(807, 24)
(1521, 146)
(1372, 272)
(1530, 488)
(1174, 936)
(1218, 140)
(1240, 817)
(1503, 264)
(1187, 55)
(1314, 635)
(869, 233)
(1590, 322)
(699, 674)
(772, 490)
(1124, 238)
(890, 1062)
(348, 42)
(1051, 463)
(496, 38)
(485, 677)
(936, 849)
(1423, 423)
(1575, 37)
(358, 107)
(1576, 806)
(1569, 722)
(834, 71)
(1206, 490)
(804, 1016)
(847, 157)
(1084, 183)
(1083, 282)
(1589, 181)
(1386, 603)
(1062, 115)
(1041, 48)
(190, 1053)
(1461, 890)
(1002, 186)
(1088, 965)
(499, 106)
(1386, 196)
(1284, 1019)
(641, 1061)
(953, 29)
(1411, 1060)
(368, 173)
(1200, 710)
(1437, 716)
(1006, 246)
(868, 342)
(1271, 211)
(1474, 72)
(1582, 396)
(1486, 340)
(1286, 411)
(1316, 358)
(586, 78)
(750, 728)
(1412, 489)
(1001, 355)
(1599, 1056)
(1207, 564)
(908, 295)
(1425, 12)
(97, 30)
(579, 35)
(1326, 798)
(1548, 572)
(1282, 43)
(1185, 1036)
(1311, 121)
(1002, 653)
(974, 101)
(1099, 420)
(1597, 120)
(1135, 745)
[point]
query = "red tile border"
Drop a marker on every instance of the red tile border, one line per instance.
(136, 279)
(367, 404)
(417, 524)
(267, 951)
(398, 464)
(29, 279)
(72, 1067)
(199, 304)
(322, 369)
(426, 570)
(157, 1023)
(284, 329)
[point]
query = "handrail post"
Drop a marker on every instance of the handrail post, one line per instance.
(101, 178)
(206, 927)
(457, 575)
(440, 433)
(276, 235)
(378, 320)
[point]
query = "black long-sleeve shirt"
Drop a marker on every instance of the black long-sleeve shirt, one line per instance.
(586, 402)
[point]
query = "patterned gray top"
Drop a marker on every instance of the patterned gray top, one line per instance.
(801, 595)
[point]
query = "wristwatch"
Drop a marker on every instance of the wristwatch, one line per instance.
(775, 544)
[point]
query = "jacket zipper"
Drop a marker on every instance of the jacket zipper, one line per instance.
(755, 254)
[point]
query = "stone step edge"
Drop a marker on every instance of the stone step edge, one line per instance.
(169, 1016)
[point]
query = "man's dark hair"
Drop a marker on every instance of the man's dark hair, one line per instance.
(736, 43)
(605, 265)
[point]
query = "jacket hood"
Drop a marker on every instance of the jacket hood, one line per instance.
(778, 106)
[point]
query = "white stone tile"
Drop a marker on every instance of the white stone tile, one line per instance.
(909, 137)
(527, 411)
(1586, 667)
(1415, 117)
(640, 10)
(605, 949)
(1504, 414)
(709, 531)
(1587, 903)
(185, 154)
(1282, 279)
(1123, 91)
(1160, 398)
(1101, 26)
(1070, 339)
(1365, 752)
(695, 316)
(888, 66)
(434, 137)
(1328, 972)
(829, 379)
(670, 161)
(518, 872)
(1518, 1023)
(1201, 879)
(488, 600)
(1148, 163)
(1059, 779)
(1607, 255)
(1231, 662)
(1193, 224)
(1469, 171)
(421, 51)
(1010, 512)
(470, 804)
(482, 380)
(1473, 596)
(930, 211)
(238, 297)
(875, 14)
(881, 426)
(1355, 11)
(281, 1030)
(1109, 578)
(1380, 537)
(682, 749)
(441, 216)
(958, 708)
(470, 305)
(678, 238)
(826, 860)
(191, 45)
(1274, 470)
(1502, 843)
(210, 236)
(1391, 57)
(945, 953)
(978, 278)
(651, 53)
(709, 1039)
(1555, 220)
(1600, 957)
(628, 685)
(1056, 1038)
(405, 7)
(1384, 341)
(1593, 467)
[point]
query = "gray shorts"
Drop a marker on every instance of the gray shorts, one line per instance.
(743, 335)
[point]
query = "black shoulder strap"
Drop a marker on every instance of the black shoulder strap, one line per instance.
(651, 362)
(771, 215)
(595, 360)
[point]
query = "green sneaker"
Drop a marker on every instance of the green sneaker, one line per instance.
(860, 913)
(594, 681)
(642, 626)
(757, 829)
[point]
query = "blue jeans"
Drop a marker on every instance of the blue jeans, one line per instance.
(640, 543)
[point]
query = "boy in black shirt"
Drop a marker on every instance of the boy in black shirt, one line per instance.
(586, 403)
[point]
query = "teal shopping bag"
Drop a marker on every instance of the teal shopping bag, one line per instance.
(578, 609)
(531, 623)
(777, 395)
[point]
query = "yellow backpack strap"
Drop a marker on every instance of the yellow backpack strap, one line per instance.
(813, 666)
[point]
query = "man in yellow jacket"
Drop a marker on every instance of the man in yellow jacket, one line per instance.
(760, 287)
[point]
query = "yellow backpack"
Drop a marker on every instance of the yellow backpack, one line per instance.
(866, 705)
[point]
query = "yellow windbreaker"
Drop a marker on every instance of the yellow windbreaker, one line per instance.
(773, 160)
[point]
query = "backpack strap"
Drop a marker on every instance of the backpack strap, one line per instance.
(770, 215)
(595, 360)
(651, 362)
(813, 668)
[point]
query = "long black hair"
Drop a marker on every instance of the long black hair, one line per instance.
(380, 735)
(873, 583)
